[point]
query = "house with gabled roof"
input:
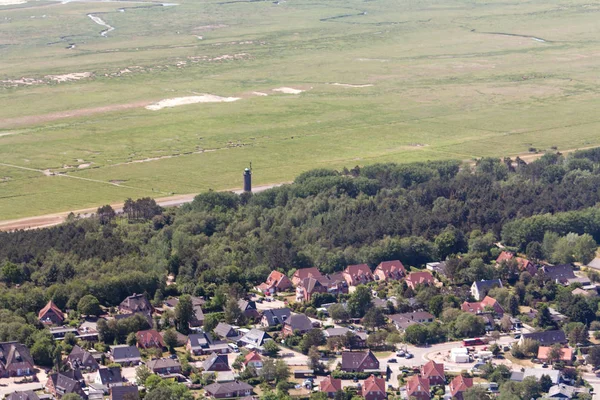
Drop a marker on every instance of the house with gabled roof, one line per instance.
(225, 331)
(373, 388)
(358, 274)
(276, 282)
(228, 390)
(459, 385)
(249, 310)
(15, 360)
(129, 392)
(566, 354)
(296, 323)
(303, 273)
(150, 339)
(434, 373)
(109, 377)
(309, 286)
(359, 361)
(274, 317)
(216, 362)
(164, 366)
(418, 387)
(51, 314)
(62, 383)
(389, 270)
(136, 303)
(25, 395)
(559, 273)
(125, 355)
(480, 289)
(255, 338)
(330, 386)
(415, 279)
(545, 338)
(80, 358)
(253, 359)
(204, 343)
(480, 307)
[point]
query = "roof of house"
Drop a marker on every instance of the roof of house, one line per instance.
(417, 383)
(136, 302)
(489, 284)
(358, 269)
(536, 373)
(566, 391)
(65, 382)
(421, 277)
(80, 356)
(505, 256)
(299, 322)
(460, 384)
(566, 353)
(335, 332)
(479, 306)
(51, 307)
(213, 359)
(255, 337)
(354, 359)
(311, 284)
(561, 272)
(149, 337)
(246, 305)
(120, 392)
(547, 337)
(581, 292)
(227, 387)
(26, 395)
(373, 384)
(432, 369)
(224, 330)
(125, 353)
(200, 340)
(304, 273)
(14, 353)
(110, 375)
(390, 267)
(252, 356)
(276, 316)
(163, 363)
(595, 263)
(330, 385)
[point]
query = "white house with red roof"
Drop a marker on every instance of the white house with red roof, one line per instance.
(415, 279)
(330, 386)
(358, 274)
(389, 270)
(373, 388)
(276, 282)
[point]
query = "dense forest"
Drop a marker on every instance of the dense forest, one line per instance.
(221, 242)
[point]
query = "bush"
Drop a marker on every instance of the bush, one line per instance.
(351, 375)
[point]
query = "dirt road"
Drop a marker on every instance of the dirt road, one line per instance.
(44, 221)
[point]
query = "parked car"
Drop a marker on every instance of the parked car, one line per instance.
(400, 353)
(355, 379)
(392, 360)
(408, 355)
(544, 365)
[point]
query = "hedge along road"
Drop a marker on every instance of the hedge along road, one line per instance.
(48, 220)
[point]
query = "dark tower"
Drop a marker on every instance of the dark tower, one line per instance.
(248, 179)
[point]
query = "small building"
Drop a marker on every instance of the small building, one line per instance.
(273, 317)
(358, 274)
(403, 320)
(330, 386)
(361, 337)
(359, 361)
(423, 278)
(164, 366)
(303, 273)
(255, 338)
(480, 307)
(389, 270)
(137, 303)
(203, 343)
(563, 391)
(109, 377)
(537, 373)
(459, 355)
(545, 338)
(418, 387)
(82, 359)
(62, 383)
(225, 331)
(566, 354)
(559, 273)
(25, 395)
(51, 315)
(150, 339)
(228, 390)
(15, 360)
(253, 359)
(216, 362)
(249, 310)
(480, 289)
(296, 323)
(459, 385)
(124, 393)
(438, 267)
(125, 355)
(276, 282)
(434, 373)
(373, 388)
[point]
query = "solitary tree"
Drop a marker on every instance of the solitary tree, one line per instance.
(184, 312)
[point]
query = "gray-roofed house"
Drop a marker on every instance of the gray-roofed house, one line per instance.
(26, 395)
(562, 391)
(338, 332)
(125, 355)
(480, 289)
(164, 366)
(255, 338)
(62, 383)
(274, 317)
(225, 331)
(249, 310)
(216, 362)
(537, 373)
(109, 377)
(137, 303)
(204, 343)
(358, 361)
(545, 338)
(297, 323)
(404, 320)
(559, 273)
(124, 393)
(80, 358)
(228, 390)
(15, 360)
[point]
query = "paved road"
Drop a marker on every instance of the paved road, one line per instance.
(595, 382)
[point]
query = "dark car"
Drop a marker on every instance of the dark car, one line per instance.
(392, 360)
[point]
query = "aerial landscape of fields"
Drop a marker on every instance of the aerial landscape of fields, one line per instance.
(105, 100)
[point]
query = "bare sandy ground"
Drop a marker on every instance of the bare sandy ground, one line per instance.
(69, 77)
(181, 101)
(11, 2)
(349, 85)
(288, 90)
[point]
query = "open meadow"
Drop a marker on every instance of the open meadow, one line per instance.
(104, 100)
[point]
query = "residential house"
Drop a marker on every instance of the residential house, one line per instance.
(125, 355)
(109, 377)
(296, 323)
(563, 391)
(276, 282)
(137, 303)
(434, 373)
(273, 317)
(228, 390)
(124, 393)
(389, 270)
(15, 360)
(585, 292)
(546, 338)
(62, 383)
(480, 289)
(438, 267)
(459, 385)
(504, 256)
(336, 284)
(537, 373)
(216, 362)
(82, 359)
(150, 339)
(483, 306)
(59, 332)
(358, 361)
(418, 387)
(164, 366)
(225, 331)
(303, 273)
(526, 265)
(415, 279)
(373, 388)
(204, 343)
(358, 274)
(26, 395)
(404, 320)
(330, 386)
(197, 303)
(566, 354)
(254, 339)
(51, 315)
(309, 286)
(361, 337)
(249, 310)
(559, 273)
(253, 359)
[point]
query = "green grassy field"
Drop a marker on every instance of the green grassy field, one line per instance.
(449, 79)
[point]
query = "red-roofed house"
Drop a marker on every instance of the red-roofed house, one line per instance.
(526, 265)
(434, 373)
(304, 273)
(566, 354)
(415, 279)
(358, 274)
(149, 339)
(51, 314)
(480, 306)
(330, 386)
(276, 282)
(390, 270)
(459, 385)
(418, 388)
(504, 256)
(253, 359)
(309, 286)
(374, 388)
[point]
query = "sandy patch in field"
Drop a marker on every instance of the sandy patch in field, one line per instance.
(22, 81)
(205, 28)
(181, 101)
(82, 166)
(11, 2)
(69, 77)
(7, 133)
(259, 94)
(288, 90)
(349, 85)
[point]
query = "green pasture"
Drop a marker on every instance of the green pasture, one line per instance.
(449, 79)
